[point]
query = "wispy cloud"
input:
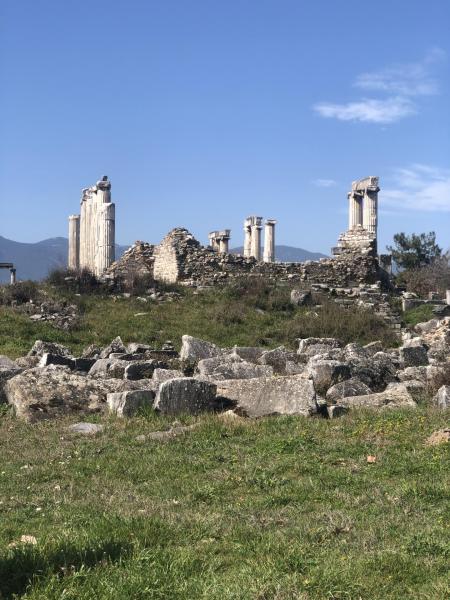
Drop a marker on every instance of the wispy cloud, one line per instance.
(420, 188)
(368, 110)
(411, 79)
(325, 183)
(399, 83)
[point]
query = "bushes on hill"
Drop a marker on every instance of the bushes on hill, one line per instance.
(19, 293)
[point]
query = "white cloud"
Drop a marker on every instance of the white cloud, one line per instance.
(325, 183)
(420, 188)
(411, 79)
(368, 110)
(399, 83)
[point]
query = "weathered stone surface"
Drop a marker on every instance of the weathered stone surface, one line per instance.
(395, 395)
(140, 369)
(335, 411)
(194, 349)
(137, 348)
(40, 348)
(314, 346)
(27, 362)
(345, 389)
(108, 368)
(127, 404)
(376, 372)
(301, 298)
(442, 398)
(247, 353)
(8, 370)
(232, 367)
(277, 359)
(326, 373)
(185, 395)
(441, 436)
(373, 347)
(115, 346)
(86, 428)
(56, 359)
(277, 395)
(56, 391)
(414, 355)
(161, 375)
(84, 364)
(91, 351)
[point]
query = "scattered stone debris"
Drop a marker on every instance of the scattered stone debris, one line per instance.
(86, 428)
(323, 378)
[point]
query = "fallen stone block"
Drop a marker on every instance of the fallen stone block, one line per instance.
(127, 404)
(40, 348)
(185, 395)
(56, 359)
(345, 389)
(194, 349)
(292, 395)
(231, 367)
(86, 428)
(161, 375)
(442, 398)
(395, 395)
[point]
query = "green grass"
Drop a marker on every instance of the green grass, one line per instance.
(279, 508)
(256, 315)
(420, 314)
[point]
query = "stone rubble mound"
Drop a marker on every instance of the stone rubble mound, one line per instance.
(323, 377)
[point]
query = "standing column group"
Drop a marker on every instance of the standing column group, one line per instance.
(252, 238)
(363, 205)
(92, 233)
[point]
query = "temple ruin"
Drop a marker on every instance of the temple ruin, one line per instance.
(92, 232)
(180, 258)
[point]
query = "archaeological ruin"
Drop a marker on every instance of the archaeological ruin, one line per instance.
(92, 232)
(12, 271)
(180, 258)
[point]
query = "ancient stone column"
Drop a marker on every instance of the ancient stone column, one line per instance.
(355, 210)
(256, 237)
(447, 296)
(248, 237)
(269, 241)
(12, 276)
(105, 254)
(74, 243)
(224, 243)
(370, 210)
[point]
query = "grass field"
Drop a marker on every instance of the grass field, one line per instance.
(280, 508)
(249, 316)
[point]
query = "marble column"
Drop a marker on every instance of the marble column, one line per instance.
(83, 239)
(74, 243)
(12, 276)
(269, 241)
(105, 254)
(224, 244)
(247, 237)
(370, 210)
(256, 238)
(447, 296)
(355, 210)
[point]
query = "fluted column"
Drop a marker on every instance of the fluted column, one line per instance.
(247, 238)
(73, 261)
(12, 276)
(355, 210)
(256, 240)
(106, 237)
(370, 210)
(269, 241)
(224, 244)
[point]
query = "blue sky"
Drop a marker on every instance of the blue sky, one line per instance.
(204, 111)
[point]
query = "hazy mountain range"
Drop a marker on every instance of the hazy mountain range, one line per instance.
(35, 261)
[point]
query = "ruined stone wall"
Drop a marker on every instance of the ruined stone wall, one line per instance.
(181, 258)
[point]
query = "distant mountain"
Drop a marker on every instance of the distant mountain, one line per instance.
(289, 254)
(35, 261)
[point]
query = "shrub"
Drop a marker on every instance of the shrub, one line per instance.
(77, 282)
(19, 293)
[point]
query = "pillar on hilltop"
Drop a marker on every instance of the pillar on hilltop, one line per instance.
(247, 237)
(269, 241)
(256, 237)
(74, 243)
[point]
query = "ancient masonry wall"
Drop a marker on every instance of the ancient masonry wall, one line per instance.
(181, 258)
